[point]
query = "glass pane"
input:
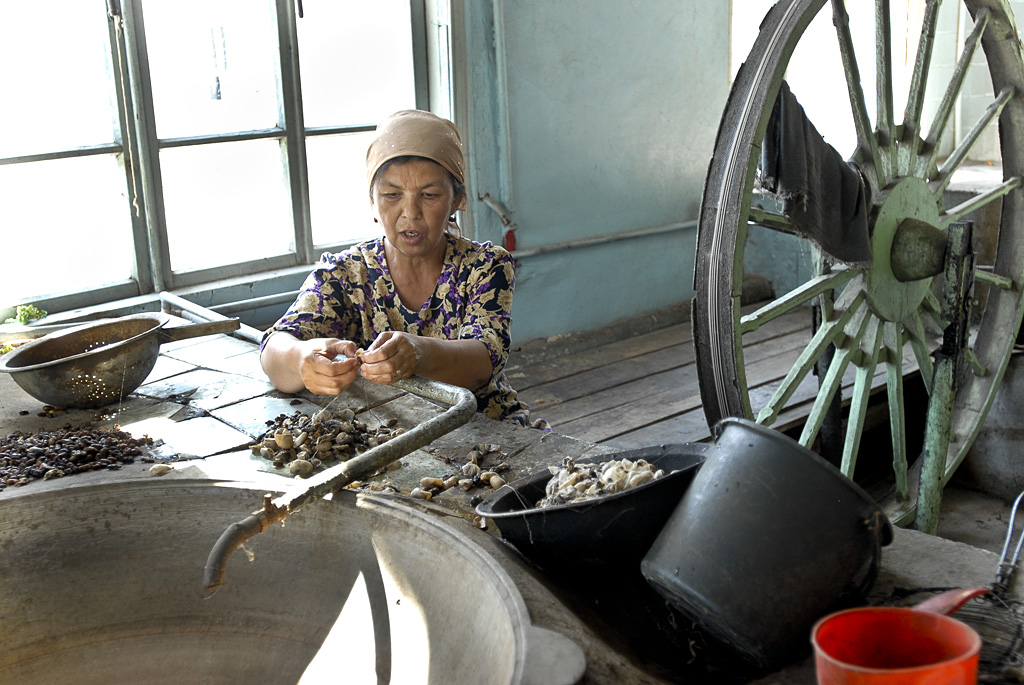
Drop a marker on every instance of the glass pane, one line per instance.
(67, 226)
(214, 66)
(57, 70)
(356, 61)
(338, 197)
(226, 203)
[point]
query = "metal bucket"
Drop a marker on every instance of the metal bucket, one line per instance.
(768, 538)
(103, 584)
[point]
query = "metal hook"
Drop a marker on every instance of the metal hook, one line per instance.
(1005, 570)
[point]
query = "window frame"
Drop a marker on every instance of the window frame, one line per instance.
(140, 149)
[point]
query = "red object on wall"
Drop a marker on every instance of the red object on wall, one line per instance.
(510, 240)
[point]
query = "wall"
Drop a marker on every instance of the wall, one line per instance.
(586, 119)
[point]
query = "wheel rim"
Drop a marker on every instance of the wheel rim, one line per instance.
(878, 323)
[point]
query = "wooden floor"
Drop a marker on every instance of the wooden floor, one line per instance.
(644, 390)
(638, 391)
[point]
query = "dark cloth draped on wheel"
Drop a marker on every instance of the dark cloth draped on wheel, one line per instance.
(825, 196)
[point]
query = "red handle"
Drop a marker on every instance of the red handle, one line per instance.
(950, 600)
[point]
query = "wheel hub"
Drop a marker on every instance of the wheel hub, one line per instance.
(909, 203)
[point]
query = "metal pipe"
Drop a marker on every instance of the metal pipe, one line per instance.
(255, 302)
(498, 209)
(601, 239)
(463, 406)
(269, 300)
(171, 300)
(504, 129)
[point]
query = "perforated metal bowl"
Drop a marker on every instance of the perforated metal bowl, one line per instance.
(96, 364)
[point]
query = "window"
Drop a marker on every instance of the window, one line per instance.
(159, 145)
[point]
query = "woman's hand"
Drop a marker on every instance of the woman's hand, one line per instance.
(392, 356)
(320, 373)
(396, 355)
(293, 364)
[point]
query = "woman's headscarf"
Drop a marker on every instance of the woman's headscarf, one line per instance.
(420, 134)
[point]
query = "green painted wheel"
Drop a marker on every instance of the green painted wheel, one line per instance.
(879, 319)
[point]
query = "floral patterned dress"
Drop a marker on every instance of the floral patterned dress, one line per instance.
(350, 295)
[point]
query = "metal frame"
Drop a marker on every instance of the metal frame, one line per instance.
(151, 271)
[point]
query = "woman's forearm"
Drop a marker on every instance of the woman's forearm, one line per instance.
(465, 363)
(462, 362)
(280, 361)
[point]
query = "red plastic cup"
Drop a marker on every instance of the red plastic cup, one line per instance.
(894, 645)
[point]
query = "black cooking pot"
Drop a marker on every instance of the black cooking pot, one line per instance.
(600, 535)
(768, 538)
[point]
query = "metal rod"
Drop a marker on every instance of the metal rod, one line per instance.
(255, 302)
(171, 300)
(601, 239)
(1006, 567)
(463, 406)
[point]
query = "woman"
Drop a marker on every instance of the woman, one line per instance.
(421, 299)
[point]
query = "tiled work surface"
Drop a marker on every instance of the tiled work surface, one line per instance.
(207, 397)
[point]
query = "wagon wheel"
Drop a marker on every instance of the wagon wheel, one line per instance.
(873, 324)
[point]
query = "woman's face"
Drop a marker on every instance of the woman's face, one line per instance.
(413, 200)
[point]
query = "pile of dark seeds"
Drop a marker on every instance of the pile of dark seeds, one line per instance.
(25, 457)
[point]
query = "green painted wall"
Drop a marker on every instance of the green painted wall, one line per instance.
(587, 119)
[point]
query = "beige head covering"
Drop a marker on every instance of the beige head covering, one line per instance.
(420, 134)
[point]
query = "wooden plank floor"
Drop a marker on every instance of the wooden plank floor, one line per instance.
(644, 390)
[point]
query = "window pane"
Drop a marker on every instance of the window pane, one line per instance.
(226, 203)
(67, 226)
(356, 61)
(339, 200)
(214, 66)
(56, 81)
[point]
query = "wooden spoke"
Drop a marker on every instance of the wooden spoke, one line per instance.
(800, 296)
(985, 274)
(956, 82)
(823, 337)
(773, 220)
(883, 89)
(915, 98)
(859, 401)
(978, 201)
(867, 144)
(922, 350)
(960, 153)
(830, 384)
(893, 337)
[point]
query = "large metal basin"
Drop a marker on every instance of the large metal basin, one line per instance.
(103, 583)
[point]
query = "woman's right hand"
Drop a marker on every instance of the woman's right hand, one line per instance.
(320, 373)
(293, 365)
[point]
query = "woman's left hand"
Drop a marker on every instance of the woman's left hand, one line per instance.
(394, 355)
